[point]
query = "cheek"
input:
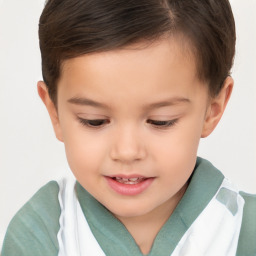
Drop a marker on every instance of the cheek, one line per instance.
(177, 153)
(85, 152)
(181, 144)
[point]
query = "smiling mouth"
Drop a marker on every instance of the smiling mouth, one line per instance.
(129, 186)
(130, 181)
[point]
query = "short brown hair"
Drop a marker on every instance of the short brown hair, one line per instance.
(70, 28)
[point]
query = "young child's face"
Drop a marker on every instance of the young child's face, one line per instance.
(149, 111)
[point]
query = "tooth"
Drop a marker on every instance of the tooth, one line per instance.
(131, 183)
(133, 179)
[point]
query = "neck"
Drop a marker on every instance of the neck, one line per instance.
(144, 228)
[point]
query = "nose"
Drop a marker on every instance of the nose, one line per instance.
(128, 145)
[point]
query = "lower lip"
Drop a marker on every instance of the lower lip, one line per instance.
(129, 189)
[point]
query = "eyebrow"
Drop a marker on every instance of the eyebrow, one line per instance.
(166, 103)
(86, 102)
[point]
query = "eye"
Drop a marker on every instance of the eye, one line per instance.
(93, 123)
(162, 124)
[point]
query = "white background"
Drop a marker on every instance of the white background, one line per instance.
(29, 153)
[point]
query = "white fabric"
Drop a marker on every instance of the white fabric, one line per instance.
(75, 237)
(215, 231)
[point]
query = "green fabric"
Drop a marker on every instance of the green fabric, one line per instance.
(229, 199)
(110, 233)
(108, 230)
(33, 230)
(247, 239)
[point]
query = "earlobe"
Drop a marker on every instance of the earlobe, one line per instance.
(51, 108)
(216, 107)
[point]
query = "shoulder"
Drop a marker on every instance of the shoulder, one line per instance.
(247, 238)
(33, 230)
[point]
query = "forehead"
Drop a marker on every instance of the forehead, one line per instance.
(155, 66)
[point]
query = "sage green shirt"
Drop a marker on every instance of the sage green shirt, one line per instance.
(33, 230)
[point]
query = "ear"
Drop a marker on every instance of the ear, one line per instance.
(216, 107)
(44, 95)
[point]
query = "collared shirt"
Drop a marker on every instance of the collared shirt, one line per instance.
(34, 229)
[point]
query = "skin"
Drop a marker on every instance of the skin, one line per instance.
(157, 82)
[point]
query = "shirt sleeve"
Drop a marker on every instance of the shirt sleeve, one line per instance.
(247, 238)
(34, 229)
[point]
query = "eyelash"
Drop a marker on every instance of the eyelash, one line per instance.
(93, 123)
(162, 124)
(98, 123)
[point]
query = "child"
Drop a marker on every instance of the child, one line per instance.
(131, 87)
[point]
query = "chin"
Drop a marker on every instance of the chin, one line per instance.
(129, 211)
